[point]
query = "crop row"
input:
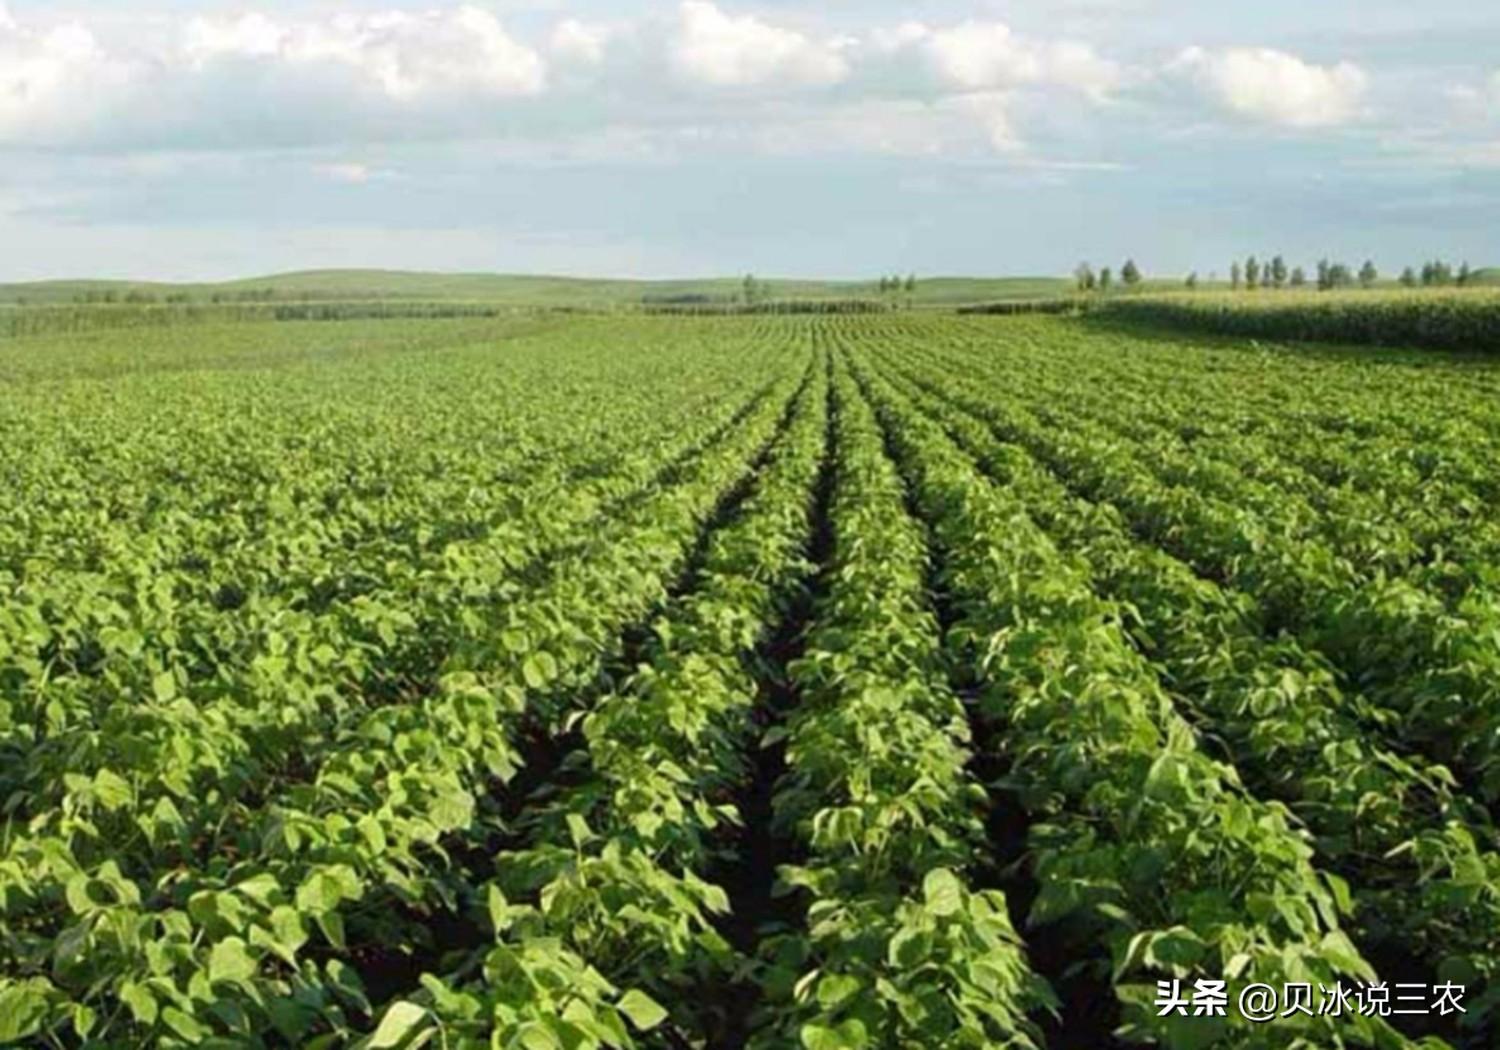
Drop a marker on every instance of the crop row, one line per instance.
(264, 930)
(1429, 656)
(1420, 856)
(610, 890)
(843, 682)
(1141, 842)
(898, 947)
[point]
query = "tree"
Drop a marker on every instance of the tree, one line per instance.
(1465, 275)
(1367, 274)
(749, 288)
(1083, 276)
(1278, 271)
(1234, 275)
(1130, 273)
(1252, 273)
(1339, 276)
(911, 283)
(1323, 282)
(1192, 281)
(1408, 278)
(1106, 278)
(1299, 277)
(885, 284)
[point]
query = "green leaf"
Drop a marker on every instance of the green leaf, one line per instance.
(332, 925)
(537, 1036)
(185, 1025)
(578, 828)
(80, 900)
(821, 1037)
(1177, 950)
(1339, 950)
(942, 892)
(1340, 890)
(533, 672)
(374, 834)
(644, 1012)
(84, 1019)
(229, 961)
(500, 913)
(319, 892)
(141, 1002)
(399, 1022)
(164, 686)
(836, 989)
(113, 790)
(258, 888)
(23, 1009)
(286, 923)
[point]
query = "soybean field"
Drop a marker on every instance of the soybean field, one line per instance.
(834, 682)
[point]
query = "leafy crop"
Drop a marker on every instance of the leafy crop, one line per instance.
(1445, 320)
(831, 681)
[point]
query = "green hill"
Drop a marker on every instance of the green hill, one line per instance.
(524, 289)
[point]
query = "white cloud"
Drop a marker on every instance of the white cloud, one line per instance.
(988, 110)
(988, 56)
(404, 56)
(348, 76)
(251, 35)
(723, 50)
(258, 75)
(897, 38)
(51, 79)
(580, 42)
(1275, 87)
(982, 71)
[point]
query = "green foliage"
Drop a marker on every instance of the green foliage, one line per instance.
(1448, 321)
(898, 949)
(301, 750)
(401, 684)
(1427, 853)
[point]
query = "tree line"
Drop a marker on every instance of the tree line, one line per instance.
(1330, 274)
(145, 297)
(1089, 280)
(1274, 273)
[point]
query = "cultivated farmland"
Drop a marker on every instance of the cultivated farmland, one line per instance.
(891, 680)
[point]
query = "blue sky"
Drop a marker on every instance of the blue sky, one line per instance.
(180, 139)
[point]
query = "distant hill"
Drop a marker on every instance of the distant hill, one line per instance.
(525, 289)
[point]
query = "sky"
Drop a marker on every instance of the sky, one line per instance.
(184, 140)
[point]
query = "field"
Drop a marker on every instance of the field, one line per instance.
(1466, 319)
(903, 680)
(529, 290)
